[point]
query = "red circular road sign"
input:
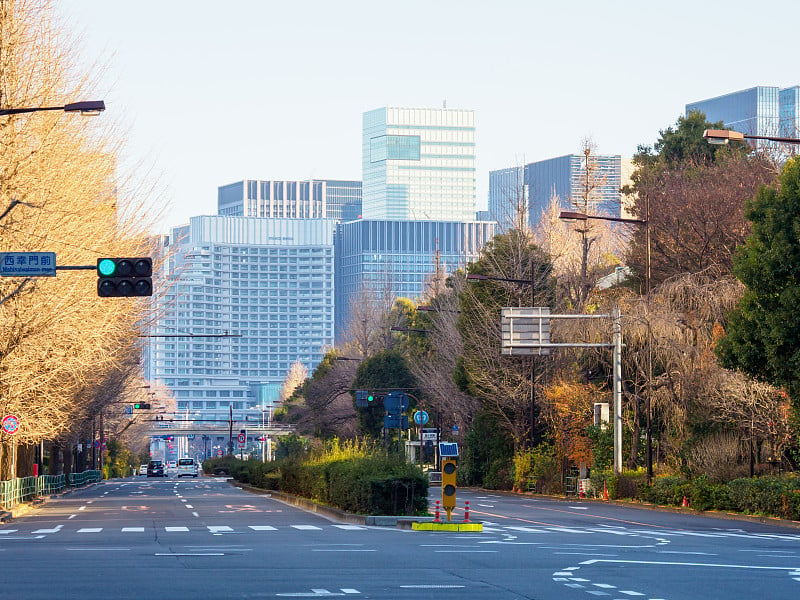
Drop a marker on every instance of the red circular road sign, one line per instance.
(219, 452)
(10, 424)
(241, 438)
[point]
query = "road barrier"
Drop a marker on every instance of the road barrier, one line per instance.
(25, 489)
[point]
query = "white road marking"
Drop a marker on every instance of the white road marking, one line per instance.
(195, 514)
(189, 554)
(54, 530)
(183, 499)
(350, 527)
(72, 516)
(89, 549)
(176, 529)
(132, 529)
(580, 507)
(630, 593)
(90, 530)
(262, 528)
(528, 529)
(189, 506)
(82, 508)
(7, 531)
(218, 528)
(686, 564)
(342, 550)
(306, 527)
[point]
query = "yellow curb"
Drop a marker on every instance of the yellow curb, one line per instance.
(447, 526)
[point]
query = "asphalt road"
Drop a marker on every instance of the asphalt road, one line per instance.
(203, 539)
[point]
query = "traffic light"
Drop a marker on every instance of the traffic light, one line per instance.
(448, 485)
(142, 405)
(124, 277)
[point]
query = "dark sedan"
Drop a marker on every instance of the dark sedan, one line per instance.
(155, 468)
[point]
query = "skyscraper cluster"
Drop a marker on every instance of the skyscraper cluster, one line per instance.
(272, 278)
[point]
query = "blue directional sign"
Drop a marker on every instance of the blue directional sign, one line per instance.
(395, 402)
(395, 422)
(420, 417)
(27, 264)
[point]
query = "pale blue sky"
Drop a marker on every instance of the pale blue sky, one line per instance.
(214, 92)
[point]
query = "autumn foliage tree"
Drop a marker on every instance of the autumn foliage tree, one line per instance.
(61, 346)
(692, 194)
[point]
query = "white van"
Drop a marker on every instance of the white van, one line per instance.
(188, 467)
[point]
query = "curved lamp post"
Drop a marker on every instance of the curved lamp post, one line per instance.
(87, 108)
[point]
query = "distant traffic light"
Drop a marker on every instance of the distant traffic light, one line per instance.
(142, 405)
(117, 277)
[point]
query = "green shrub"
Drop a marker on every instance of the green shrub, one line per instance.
(348, 478)
(667, 491)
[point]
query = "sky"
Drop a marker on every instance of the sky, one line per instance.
(210, 93)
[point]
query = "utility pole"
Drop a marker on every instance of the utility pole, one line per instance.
(230, 429)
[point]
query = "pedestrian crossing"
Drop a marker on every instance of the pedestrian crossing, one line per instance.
(214, 529)
(541, 532)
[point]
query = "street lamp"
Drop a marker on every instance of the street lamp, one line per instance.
(576, 216)
(88, 108)
(721, 137)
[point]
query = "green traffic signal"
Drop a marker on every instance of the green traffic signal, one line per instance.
(106, 267)
(124, 277)
(370, 398)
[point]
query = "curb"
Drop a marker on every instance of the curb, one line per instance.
(401, 522)
(661, 508)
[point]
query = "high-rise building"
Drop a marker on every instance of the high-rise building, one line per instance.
(312, 199)
(419, 164)
(267, 283)
(532, 186)
(391, 259)
(760, 110)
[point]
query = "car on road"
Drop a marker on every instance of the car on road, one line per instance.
(142, 469)
(155, 468)
(188, 467)
(171, 464)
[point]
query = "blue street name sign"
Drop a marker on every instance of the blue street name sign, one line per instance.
(27, 264)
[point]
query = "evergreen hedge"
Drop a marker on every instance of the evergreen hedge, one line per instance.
(370, 485)
(773, 496)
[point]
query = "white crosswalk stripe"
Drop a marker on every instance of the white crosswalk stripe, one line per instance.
(306, 527)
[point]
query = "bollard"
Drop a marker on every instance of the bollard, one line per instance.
(466, 511)
(436, 518)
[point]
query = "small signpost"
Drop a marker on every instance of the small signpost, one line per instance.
(420, 417)
(10, 424)
(27, 264)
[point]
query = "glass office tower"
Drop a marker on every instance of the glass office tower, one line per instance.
(399, 258)
(312, 199)
(564, 176)
(419, 164)
(267, 283)
(761, 110)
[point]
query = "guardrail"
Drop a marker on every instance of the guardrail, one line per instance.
(24, 489)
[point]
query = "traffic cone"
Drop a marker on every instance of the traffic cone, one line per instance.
(685, 501)
(605, 492)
